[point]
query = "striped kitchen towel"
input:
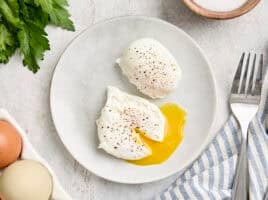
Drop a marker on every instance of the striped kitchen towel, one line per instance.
(211, 175)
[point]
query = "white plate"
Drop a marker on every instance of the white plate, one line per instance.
(87, 67)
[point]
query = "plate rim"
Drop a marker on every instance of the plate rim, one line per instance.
(209, 136)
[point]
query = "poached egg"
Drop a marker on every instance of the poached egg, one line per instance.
(150, 67)
(123, 120)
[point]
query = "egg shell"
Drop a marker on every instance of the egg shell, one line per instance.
(10, 144)
(26, 180)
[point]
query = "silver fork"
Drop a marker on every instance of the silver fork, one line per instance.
(266, 125)
(244, 102)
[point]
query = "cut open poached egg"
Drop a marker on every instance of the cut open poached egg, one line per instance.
(136, 130)
(121, 118)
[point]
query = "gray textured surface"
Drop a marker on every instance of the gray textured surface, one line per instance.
(26, 96)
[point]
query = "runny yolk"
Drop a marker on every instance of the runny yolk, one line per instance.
(161, 151)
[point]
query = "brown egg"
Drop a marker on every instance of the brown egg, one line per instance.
(10, 144)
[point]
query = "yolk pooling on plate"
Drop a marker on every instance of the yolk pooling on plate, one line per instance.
(161, 151)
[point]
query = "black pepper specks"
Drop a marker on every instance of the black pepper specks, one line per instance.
(123, 116)
(151, 67)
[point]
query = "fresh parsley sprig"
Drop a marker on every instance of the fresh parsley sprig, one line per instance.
(22, 26)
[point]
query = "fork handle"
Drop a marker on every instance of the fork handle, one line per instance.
(241, 180)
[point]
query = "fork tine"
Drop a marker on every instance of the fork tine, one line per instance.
(258, 82)
(250, 87)
(236, 81)
(244, 77)
(261, 68)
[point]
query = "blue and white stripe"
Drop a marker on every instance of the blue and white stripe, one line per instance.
(211, 175)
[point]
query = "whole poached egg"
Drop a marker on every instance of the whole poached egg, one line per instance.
(123, 118)
(150, 67)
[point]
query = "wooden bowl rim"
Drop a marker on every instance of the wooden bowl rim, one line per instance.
(246, 7)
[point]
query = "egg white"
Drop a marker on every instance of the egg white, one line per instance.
(121, 116)
(150, 67)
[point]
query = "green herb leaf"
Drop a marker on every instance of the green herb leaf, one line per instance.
(61, 2)
(46, 5)
(33, 44)
(13, 4)
(59, 16)
(7, 44)
(8, 14)
(22, 25)
(34, 15)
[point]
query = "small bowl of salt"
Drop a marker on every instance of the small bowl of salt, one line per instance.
(221, 9)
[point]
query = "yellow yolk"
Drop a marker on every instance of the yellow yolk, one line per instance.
(161, 151)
